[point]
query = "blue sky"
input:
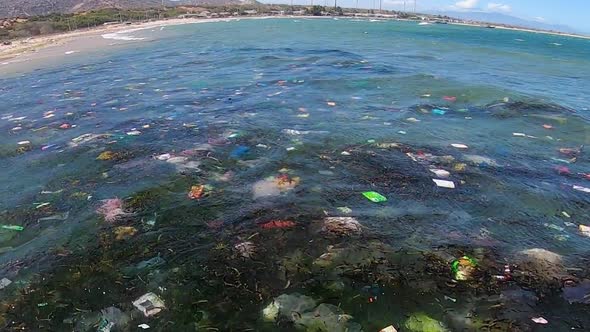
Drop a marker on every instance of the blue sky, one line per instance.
(575, 13)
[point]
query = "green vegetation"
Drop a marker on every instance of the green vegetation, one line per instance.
(40, 25)
(55, 23)
(315, 10)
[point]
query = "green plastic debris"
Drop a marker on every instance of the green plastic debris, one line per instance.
(420, 322)
(375, 197)
(13, 227)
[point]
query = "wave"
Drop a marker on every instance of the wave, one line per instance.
(120, 36)
(124, 35)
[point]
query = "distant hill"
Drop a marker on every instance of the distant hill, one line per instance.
(23, 8)
(507, 19)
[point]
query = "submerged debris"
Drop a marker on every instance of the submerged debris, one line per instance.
(149, 304)
(112, 209)
(463, 268)
(302, 311)
(124, 232)
(420, 322)
(342, 226)
(245, 249)
(278, 224)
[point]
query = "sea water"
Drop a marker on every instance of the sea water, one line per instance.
(197, 137)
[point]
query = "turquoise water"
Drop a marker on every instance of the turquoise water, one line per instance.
(292, 120)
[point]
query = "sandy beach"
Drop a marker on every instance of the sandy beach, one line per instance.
(33, 53)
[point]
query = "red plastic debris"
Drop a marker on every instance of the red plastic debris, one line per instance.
(65, 126)
(278, 224)
(450, 98)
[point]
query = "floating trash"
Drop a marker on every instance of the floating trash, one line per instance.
(13, 227)
(107, 155)
(441, 173)
(420, 322)
(124, 232)
(463, 268)
(245, 249)
(344, 209)
(239, 152)
(112, 209)
(278, 224)
(585, 230)
(149, 304)
(444, 183)
(540, 320)
(134, 133)
(460, 146)
(5, 282)
(196, 192)
(374, 197)
(342, 225)
(582, 189)
(389, 328)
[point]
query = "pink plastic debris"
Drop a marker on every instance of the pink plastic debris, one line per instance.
(112, 209)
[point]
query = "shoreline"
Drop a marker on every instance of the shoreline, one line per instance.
(33, 51)
(551, 33)
(25, 55)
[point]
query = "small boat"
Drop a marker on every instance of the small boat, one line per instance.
(424, 23)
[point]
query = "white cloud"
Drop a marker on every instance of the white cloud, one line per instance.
(498, 7)
(466, 4)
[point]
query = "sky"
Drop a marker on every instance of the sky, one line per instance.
(574, 13)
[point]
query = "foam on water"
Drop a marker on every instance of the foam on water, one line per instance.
(124, 35)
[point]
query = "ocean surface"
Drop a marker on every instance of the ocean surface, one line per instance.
(221, 167)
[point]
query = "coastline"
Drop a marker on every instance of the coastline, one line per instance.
(32, 53)
(25, 55)
(551, 33)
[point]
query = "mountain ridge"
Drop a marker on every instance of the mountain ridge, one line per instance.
(27, 8)
(500, 18)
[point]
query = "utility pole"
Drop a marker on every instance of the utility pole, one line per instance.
(414, 6)
(380, 3)
(335, 4)
(404, 6)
